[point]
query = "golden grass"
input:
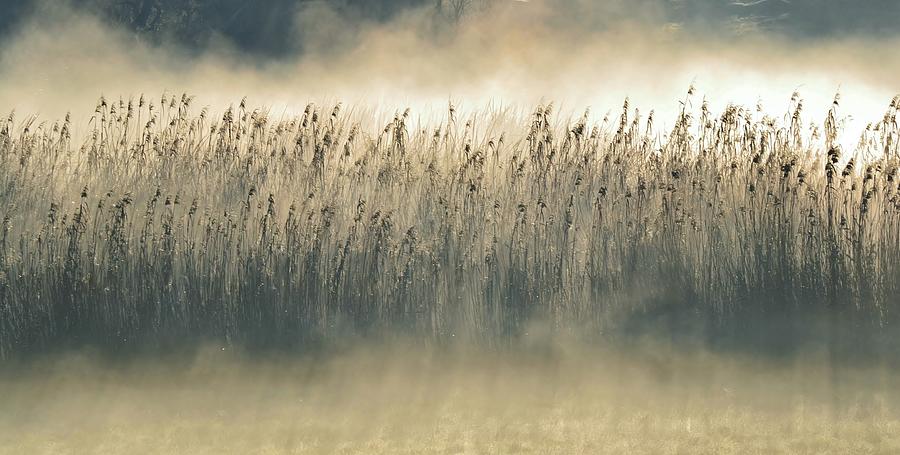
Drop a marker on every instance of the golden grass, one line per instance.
(420, 401)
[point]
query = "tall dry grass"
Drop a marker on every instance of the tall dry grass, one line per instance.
(165, 226)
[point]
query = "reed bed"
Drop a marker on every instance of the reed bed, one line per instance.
(164, 226)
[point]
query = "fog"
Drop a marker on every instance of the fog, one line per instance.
(576, 53)
(403, 397)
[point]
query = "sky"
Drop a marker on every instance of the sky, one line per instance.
(58, 56)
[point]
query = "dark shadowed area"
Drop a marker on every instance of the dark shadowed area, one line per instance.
(269, 30)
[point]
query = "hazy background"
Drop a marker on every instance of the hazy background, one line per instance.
(60, 56)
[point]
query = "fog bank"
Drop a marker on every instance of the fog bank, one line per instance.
(407, 398)
(576, 53)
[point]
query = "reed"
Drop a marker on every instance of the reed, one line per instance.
(164, 227)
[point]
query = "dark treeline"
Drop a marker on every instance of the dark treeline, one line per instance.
(270, 28)
(266, 28)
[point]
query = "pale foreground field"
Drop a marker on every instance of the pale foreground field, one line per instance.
(417, 400)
